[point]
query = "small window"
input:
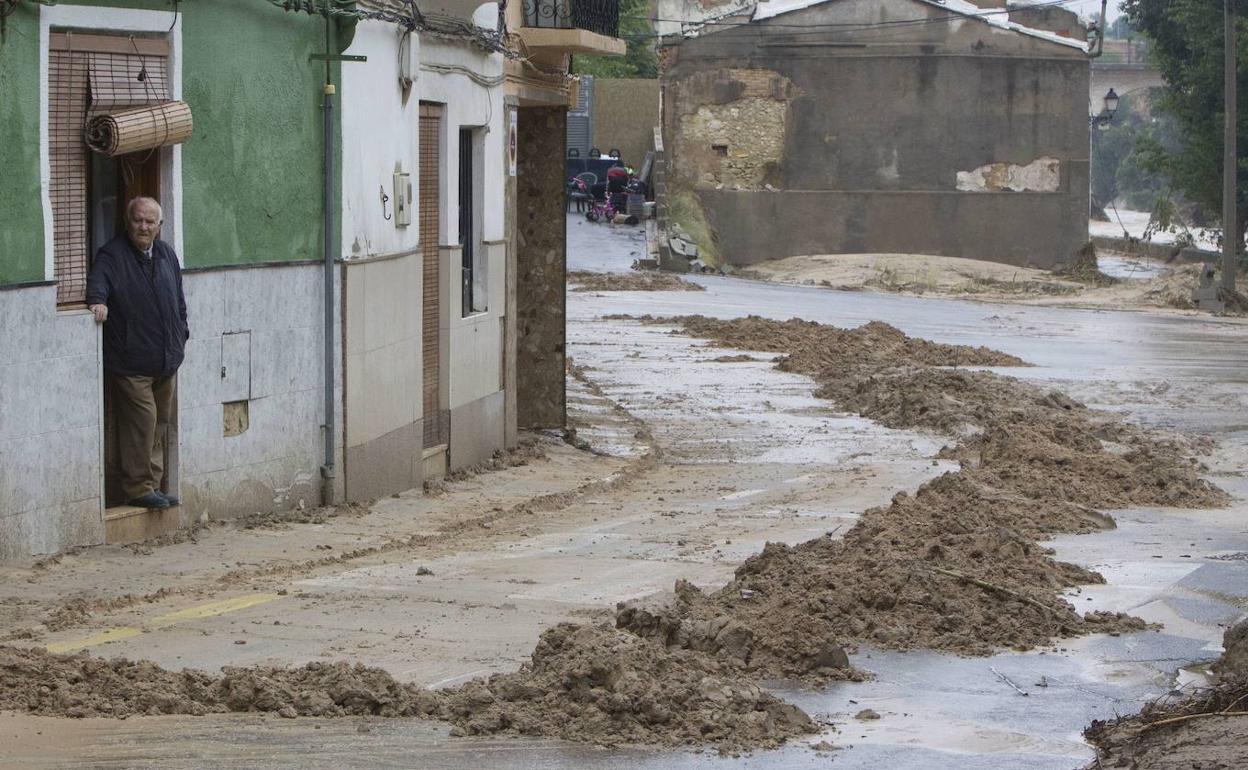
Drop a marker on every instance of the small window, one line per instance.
(475, 266)
(720, 149)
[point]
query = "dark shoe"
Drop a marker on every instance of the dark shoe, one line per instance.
(150, 500)
(170, 500)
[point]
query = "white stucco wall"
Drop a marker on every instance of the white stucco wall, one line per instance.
(380, 131)
(379, 137)
(467, 103)
(474, 342)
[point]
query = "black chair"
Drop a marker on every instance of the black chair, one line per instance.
(594, 152)
(573, 152)
(582, 195)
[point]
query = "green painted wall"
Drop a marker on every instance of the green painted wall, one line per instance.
(252, 170)
(21, 209)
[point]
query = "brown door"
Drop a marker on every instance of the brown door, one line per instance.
(431, 355)
(138, 175)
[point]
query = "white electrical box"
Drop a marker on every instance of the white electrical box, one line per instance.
(402, 199)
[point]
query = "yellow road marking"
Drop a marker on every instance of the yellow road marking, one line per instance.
(208, 610)
(211, 609)
(104, 637)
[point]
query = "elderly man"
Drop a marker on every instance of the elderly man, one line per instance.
(135, 290)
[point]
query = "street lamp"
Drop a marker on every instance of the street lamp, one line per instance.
(1106, 115)
(1111, 103)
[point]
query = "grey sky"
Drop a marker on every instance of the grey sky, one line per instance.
(1089, 8)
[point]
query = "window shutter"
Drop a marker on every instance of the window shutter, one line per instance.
(67, 109)
(119, 81)
(89, 73)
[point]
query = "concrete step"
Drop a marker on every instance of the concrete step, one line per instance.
(131, 524)
(434, 462)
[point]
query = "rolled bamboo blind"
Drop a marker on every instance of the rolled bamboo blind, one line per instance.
(140, 128)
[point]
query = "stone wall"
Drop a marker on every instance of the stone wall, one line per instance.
(916, 143)
(541, 268)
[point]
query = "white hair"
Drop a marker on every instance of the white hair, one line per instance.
(134, 203)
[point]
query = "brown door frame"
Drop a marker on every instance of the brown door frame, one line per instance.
(430, 152)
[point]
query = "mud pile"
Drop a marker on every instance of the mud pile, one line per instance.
(957, 566)
(954, 567)
(1206, 730)
(810, 346)
(82, 686)
(591, 684)
(601, 685)
(590, 281)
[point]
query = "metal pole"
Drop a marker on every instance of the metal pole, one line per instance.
(327, 470)
(1230, 224)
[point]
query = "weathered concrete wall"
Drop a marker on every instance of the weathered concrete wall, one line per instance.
(51, 445)
(477, 430)
(264, 326)
(541, 269)
(954, 115)
(625, 114)
(995, 227)
(1052, 18)
(383, 375)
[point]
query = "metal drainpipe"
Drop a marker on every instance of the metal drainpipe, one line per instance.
(327, 470)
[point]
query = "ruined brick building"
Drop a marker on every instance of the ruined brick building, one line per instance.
(849, 126)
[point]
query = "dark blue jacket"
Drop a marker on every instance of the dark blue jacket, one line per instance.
(146, 330)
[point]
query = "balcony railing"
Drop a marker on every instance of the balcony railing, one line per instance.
(599, 16)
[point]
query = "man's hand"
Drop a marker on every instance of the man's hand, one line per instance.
(101, 312)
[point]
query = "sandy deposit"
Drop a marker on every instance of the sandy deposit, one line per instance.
(972, 279)
(635, 281)
(1207, 730)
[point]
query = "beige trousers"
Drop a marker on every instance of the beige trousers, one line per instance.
(141, 407)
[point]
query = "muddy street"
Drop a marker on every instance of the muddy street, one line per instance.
(692, 453)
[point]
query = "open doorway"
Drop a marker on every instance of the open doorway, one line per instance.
(114, 181)
(89, 74)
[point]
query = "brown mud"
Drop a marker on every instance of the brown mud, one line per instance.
(83, 686)
(602, 685)
(1207, 730)
(583, 683)
(529, 450)
(585, 280)
(957, 566)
